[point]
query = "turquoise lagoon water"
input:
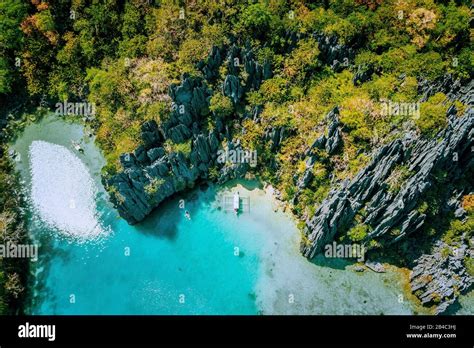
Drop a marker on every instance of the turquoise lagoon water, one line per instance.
(92, 262)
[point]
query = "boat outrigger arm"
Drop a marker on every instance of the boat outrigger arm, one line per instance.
(234, 202)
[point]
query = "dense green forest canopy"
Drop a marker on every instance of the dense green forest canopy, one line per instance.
(123, 56)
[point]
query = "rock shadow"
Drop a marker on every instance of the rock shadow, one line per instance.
(335, 263)
(162, 222)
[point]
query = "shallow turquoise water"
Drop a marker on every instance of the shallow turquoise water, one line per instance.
(174, 266)
(216, 263)
(166, 265)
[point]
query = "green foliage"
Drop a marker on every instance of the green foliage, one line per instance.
(213, 173)
(357, 113)
(221, 106)
(12, 13)
(191, 52)
(343, 28)
(469, 263)
(45, 21)
(185, 147)
(321, 192)
(457, 229)
(358, 232)
(12, 229)
(408, 60)
(154, 186)
(453, 24)
(124, 58)
(5, 76)
(134, 47)
(357, 163)
(303, 60)
(274, 90)
(98, 29)
(257, 19)
(125, 95)
(320, 174)
(423, 208)
(432, 115)
(397, 178)
(373, 244)
(445, 252)
(251, 135)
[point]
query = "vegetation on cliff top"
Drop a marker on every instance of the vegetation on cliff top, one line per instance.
(12, 229)
(124, 57)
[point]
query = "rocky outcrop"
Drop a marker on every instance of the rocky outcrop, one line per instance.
(449, 152)
(438, 278)
(334, 138)
(151, 134)
(330, 143)
(230, 171)
(144, 184)
(363, 74)
(243, 60)
(275, 136)
(210, 67)
(392, 215)
(332, 53)
(446, 84)
(153, 173)
(232, 88)
(190, 105)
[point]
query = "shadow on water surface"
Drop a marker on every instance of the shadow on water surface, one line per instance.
(335, 263)
(455, 307)
(163, 221)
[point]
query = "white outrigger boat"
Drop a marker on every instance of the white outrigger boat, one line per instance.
(234, 202)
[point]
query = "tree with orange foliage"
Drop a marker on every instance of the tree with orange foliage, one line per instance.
(468, 203)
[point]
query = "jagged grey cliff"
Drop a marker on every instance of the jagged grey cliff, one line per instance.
(152, 173)
(449, 151)
(393, 216)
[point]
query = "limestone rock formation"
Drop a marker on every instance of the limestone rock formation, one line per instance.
(329, 143)
(449, 151)
(151, 173)
(438, 278)
(332, 53)
(392, 215)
